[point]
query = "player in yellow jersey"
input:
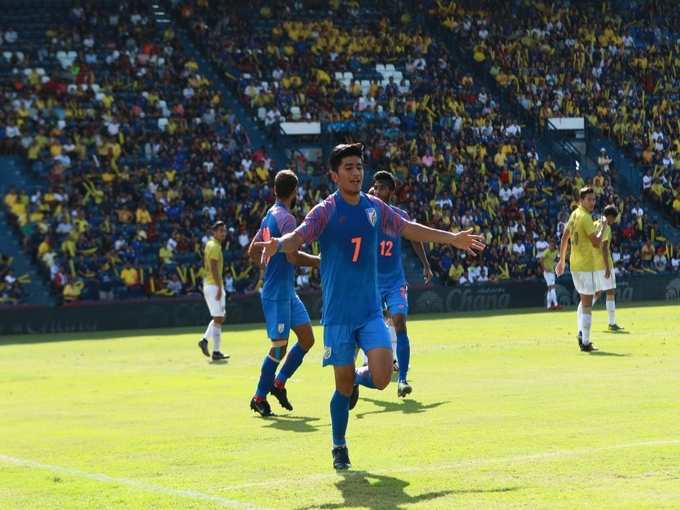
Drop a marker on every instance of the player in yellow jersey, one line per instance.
(605, 279)
(547, 261)
(213, 290)
(582, 235)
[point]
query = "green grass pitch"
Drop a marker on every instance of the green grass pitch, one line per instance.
(505, 413)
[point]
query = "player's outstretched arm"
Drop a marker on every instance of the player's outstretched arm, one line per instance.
(564, 244)
(464, 240)
(288, 243)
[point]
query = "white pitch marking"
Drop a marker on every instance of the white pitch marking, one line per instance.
(135, 484)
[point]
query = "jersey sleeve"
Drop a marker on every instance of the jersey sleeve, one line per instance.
(316, 220)
(391, 222)
(287, 224)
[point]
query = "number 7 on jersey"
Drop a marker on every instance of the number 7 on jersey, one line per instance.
(356, 241)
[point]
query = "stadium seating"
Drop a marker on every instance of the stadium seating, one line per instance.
(601, 62)
(140, 154)
(444, 137)
(137, 148)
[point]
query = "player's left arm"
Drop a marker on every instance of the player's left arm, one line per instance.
(395, 225)
(420, 251)
(465, 240)
(254, 253)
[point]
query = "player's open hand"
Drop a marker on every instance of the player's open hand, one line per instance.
(268, 249)
(471, 243)
(559, 268)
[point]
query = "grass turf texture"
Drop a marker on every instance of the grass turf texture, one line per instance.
(506, 413)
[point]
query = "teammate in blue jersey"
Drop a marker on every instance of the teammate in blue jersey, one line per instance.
(392, 280)
(283, 309)
(347, 225)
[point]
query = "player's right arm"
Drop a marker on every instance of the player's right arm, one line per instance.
(564, 245)
(310, 229)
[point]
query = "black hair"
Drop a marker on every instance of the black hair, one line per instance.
(385, 177)
(285, 183)
(611, 210)
(344, 150)
(217, 225)
(586, 190)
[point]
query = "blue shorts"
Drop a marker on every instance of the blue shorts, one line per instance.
(396, 299)
(340, 341)
(282, 315)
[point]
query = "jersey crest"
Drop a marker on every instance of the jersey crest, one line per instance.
(372, 216)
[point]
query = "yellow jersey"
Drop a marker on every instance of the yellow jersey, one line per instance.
(597, 252)
(581, 227)
(213, 251)
(548, 260)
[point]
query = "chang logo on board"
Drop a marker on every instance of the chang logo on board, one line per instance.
(563, 295)
(429, 302)
(673, 290)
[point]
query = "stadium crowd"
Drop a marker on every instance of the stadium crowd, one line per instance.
(140, 154)
(602, 61)
(11, 289)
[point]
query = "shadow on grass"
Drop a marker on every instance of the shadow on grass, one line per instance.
(407, 406)
(361, 489)
(605, 353)
(615, 332)
(292, 423)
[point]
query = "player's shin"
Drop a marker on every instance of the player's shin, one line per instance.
(586, 321)
(217, 336)
(339, 417)
(403, 354)
(268, 370)
(293, 361)
(611, 310)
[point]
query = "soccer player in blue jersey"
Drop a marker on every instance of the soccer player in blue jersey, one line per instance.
(347, 225)
(392, 280)
(283, 309)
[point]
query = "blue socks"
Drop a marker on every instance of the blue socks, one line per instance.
(403, 354)
(363, 377)
(293, 361)
(266, 377)
(339, 417)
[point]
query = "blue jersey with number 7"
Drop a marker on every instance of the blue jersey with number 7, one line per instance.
(348, 238)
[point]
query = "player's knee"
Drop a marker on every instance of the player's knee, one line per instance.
(399, 322)
(278, 349)
(381, 380)
(306, 343)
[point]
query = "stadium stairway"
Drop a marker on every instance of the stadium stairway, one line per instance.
(256, 135)
(629, 181)
(13, 172)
